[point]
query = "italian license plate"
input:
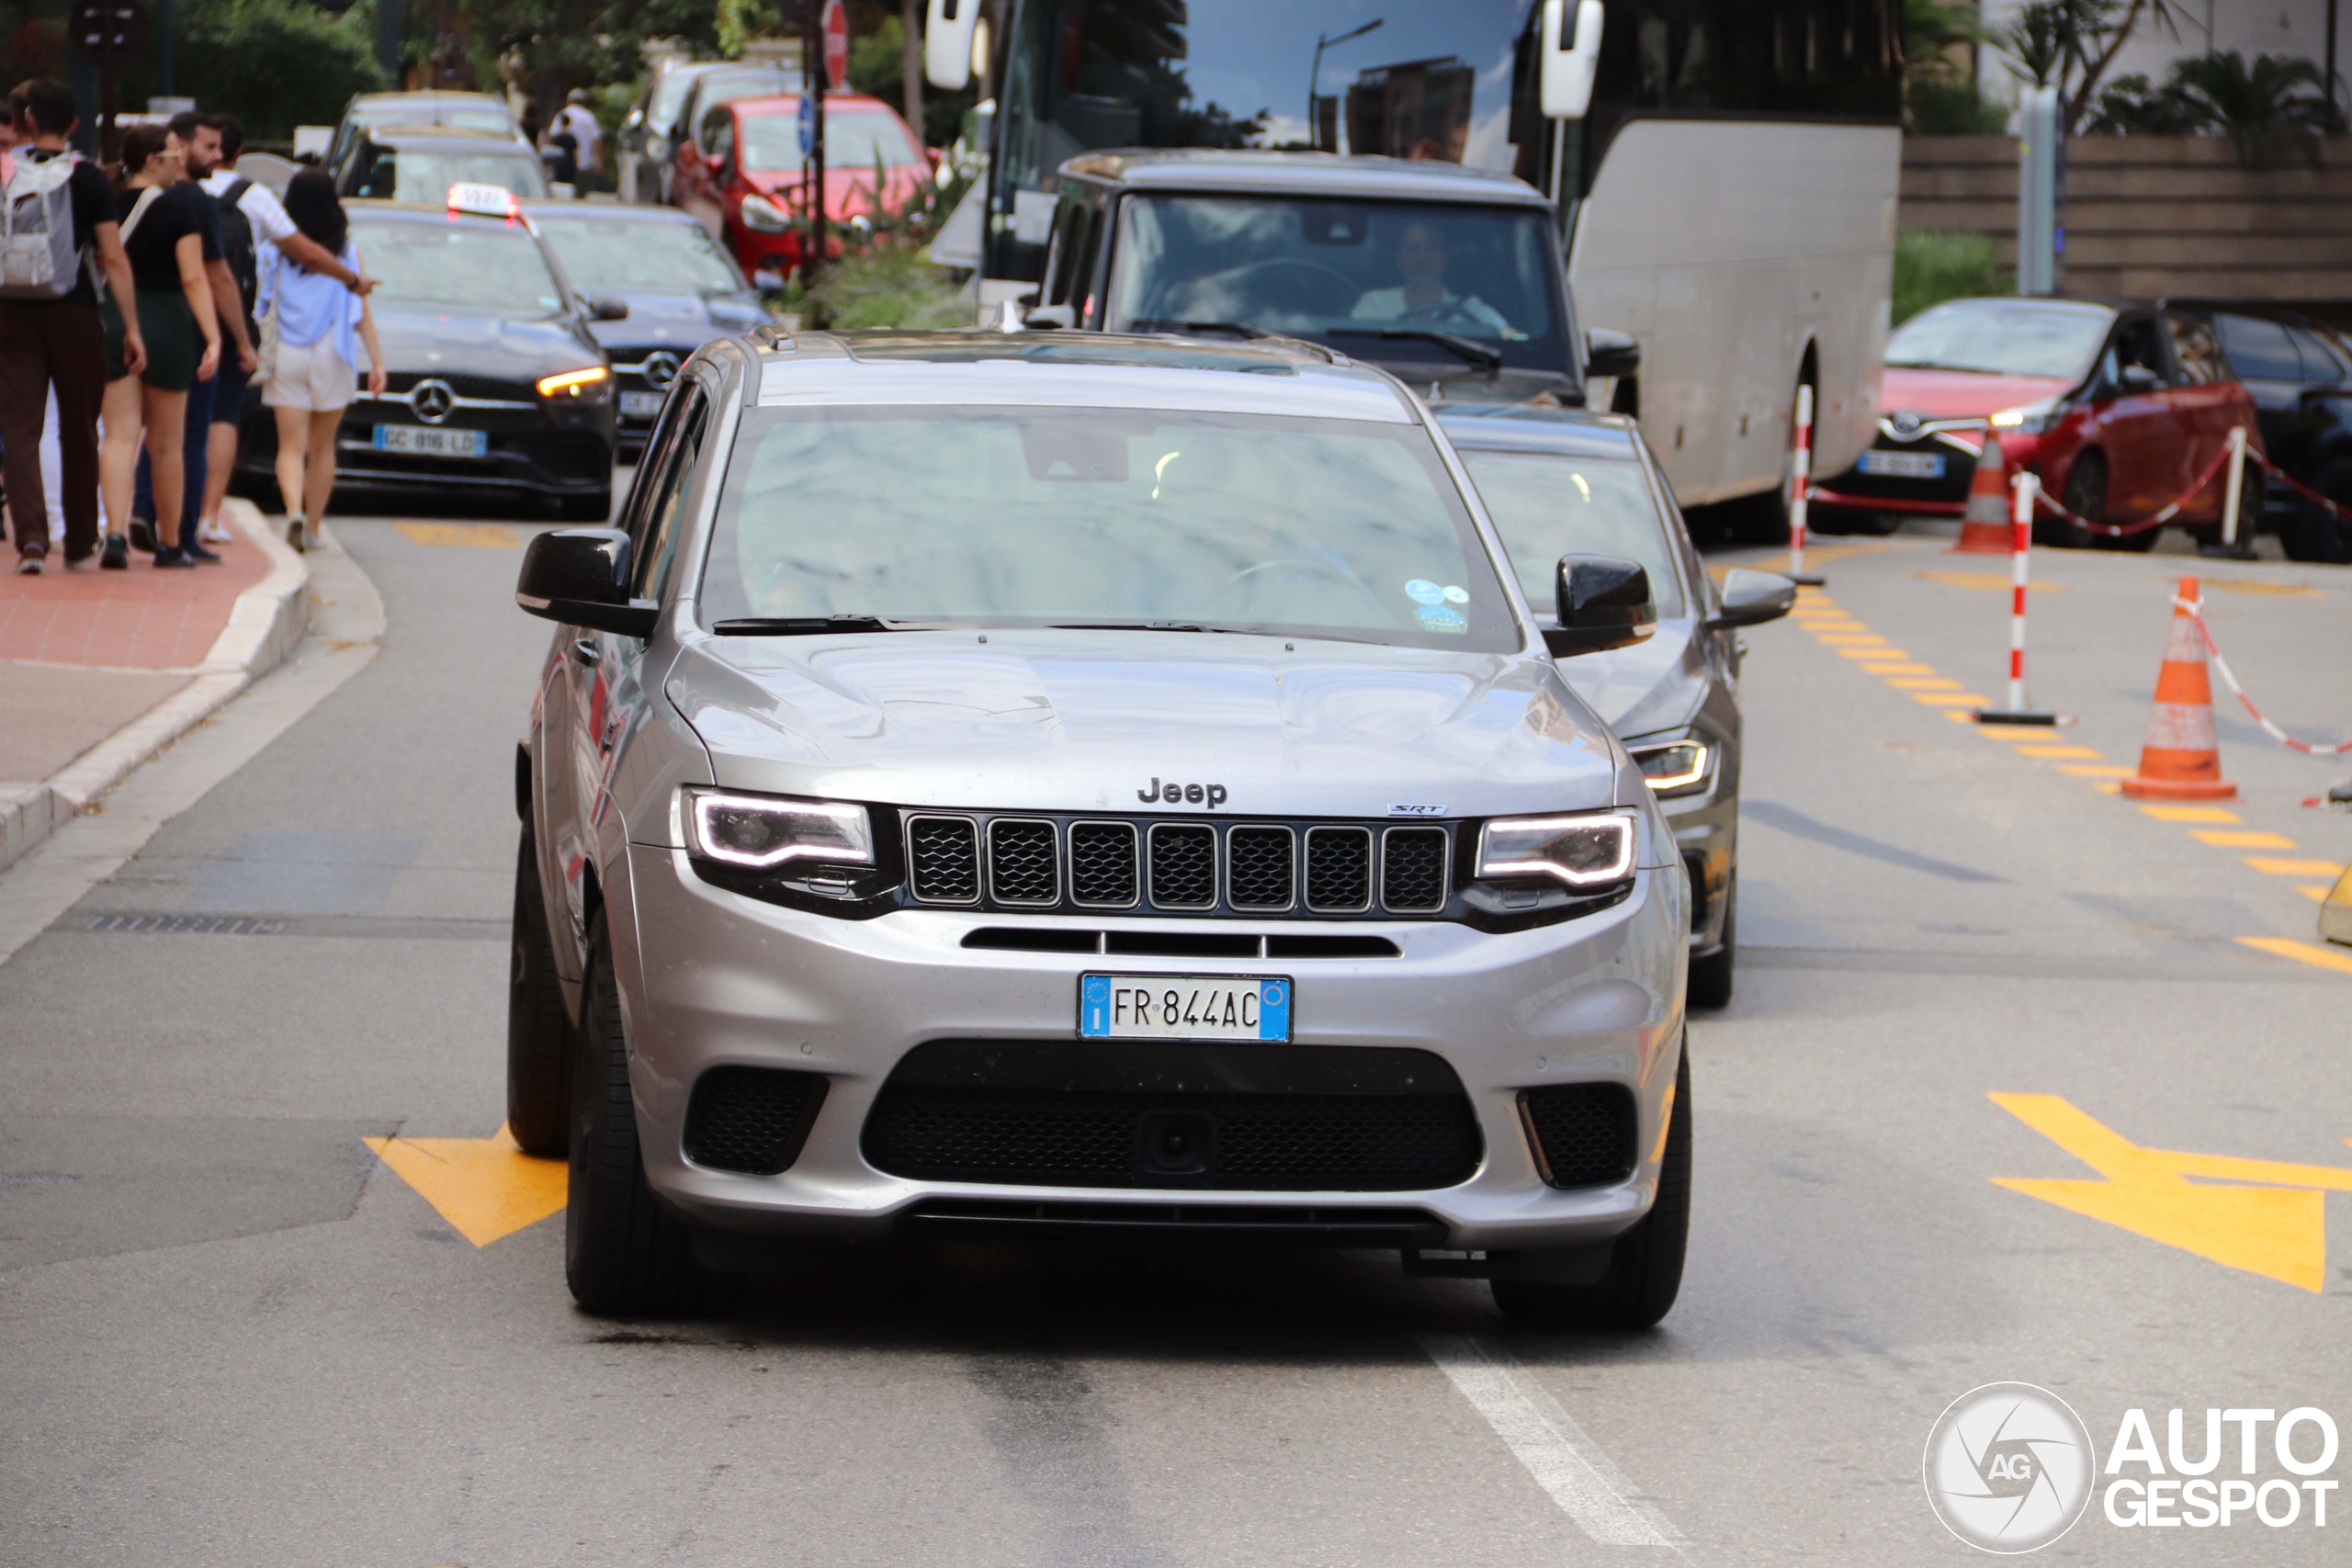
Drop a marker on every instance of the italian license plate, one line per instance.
(419, 441)
(1183, 1006)
(1904, 464)
(640, 405)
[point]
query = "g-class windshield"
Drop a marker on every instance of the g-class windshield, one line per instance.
(1385, 280)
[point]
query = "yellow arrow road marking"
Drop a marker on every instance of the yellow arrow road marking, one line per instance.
(2278, 1230)
(486, 1187)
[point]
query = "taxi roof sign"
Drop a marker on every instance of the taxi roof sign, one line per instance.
(484, 200)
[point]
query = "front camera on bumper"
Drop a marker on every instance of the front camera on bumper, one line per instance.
(763, 831)
(1586, 850)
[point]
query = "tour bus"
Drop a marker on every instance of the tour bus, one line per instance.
(1724, 170)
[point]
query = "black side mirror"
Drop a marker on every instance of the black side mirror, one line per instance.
(605, 307)
(1752, 598)
(2140, 378)
(1611, 353)
(579, 577)
(1604, 602)
(1051, 318)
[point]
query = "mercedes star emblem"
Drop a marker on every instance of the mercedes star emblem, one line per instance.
(661, 369)
(433, 401)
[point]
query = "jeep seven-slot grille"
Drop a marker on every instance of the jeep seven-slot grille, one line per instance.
(1412, 869)
(1195, 867)
(943, 855)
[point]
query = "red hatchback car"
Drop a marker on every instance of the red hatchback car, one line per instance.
(2117, 410)
(740, 173)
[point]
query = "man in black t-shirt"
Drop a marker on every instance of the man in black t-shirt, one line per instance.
(61, 342)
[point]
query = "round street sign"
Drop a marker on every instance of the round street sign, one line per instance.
(836, 30)
(808, 124)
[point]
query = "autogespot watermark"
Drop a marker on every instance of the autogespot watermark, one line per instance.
(2009, 1468)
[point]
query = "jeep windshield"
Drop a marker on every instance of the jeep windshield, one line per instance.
(1388, 281)
(904, 517)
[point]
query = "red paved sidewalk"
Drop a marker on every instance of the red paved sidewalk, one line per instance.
(145, 618)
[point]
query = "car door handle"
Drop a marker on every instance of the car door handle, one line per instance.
(584, 649)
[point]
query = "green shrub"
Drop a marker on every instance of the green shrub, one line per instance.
(1935, 264)
(887, 284)
(276, 64)
(1945, 105)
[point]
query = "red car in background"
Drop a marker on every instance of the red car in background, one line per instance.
(2118, 409)
(740, 173)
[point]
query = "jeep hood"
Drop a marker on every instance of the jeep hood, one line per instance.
(1087, 721)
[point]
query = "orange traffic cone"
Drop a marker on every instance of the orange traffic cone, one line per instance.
(1985, 527)
(2180, 760)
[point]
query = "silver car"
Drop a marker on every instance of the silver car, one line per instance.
(1558, 479)
(1064, 783)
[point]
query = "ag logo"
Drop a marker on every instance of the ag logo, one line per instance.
(2008, 1468)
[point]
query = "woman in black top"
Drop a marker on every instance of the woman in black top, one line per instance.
(167, 236)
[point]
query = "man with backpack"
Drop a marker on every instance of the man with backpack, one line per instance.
(250, 217)
(58, 236)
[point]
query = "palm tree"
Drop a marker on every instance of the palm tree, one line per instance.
(2263, 107)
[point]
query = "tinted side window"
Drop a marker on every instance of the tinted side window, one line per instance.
(718, 133)
(2322, 363)
(657, 538)
(2259, 349)
(2199, 356)
(2136, 344)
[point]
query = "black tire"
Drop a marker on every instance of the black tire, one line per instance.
(624, 1255)
(2314, 534)
(1645, 1266)
(595, 508)
(538, 1036)
(1711, 973)
(1876, 525)
(2085, 496)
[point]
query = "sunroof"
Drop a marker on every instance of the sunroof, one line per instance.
(976, 347)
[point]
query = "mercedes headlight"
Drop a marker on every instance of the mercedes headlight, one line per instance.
(765, 216)
(1586, 850)
(1674, 767)
(761, 832)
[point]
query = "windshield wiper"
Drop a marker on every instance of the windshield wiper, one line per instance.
(1467, 349)
(806, 625)
(1239, 329)
(1126, 626)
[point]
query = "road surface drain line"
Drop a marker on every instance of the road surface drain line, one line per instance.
(188, 925)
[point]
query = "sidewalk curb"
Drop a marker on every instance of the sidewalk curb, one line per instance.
(265, 626)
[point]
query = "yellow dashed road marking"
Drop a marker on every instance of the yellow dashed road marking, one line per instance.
(2273, 866)
(1899, 669)
(2189, 814)
(1871, 653)
(479, 536)
(2056, 754)
(2242, 839)
(2316, 894)
(2259, 585)
(2311, 953)
(1989, 582)
(2086, 771)
(1923, 683)
(1952, 699)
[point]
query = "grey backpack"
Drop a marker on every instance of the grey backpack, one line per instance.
(38, 256)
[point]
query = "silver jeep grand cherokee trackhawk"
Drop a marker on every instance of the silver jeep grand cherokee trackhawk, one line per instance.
(1074, 780)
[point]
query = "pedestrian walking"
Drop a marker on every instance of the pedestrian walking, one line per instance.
(310, 320)
(163, 233)
(52, 335)
(254, 227)
(195, 141)
(577, 121)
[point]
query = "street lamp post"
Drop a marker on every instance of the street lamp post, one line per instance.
(1314, 73)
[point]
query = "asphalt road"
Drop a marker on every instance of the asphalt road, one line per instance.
(231, 1334)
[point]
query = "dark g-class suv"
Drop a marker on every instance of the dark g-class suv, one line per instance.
(1450, 279)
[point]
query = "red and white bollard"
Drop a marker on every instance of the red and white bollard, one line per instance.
(2028, 491)
(1801, 487)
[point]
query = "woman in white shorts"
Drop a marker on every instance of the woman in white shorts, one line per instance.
(314, 319)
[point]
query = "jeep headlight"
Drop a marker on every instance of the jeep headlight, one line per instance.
(1586, 850)
(1674, 767)
(760, 832)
